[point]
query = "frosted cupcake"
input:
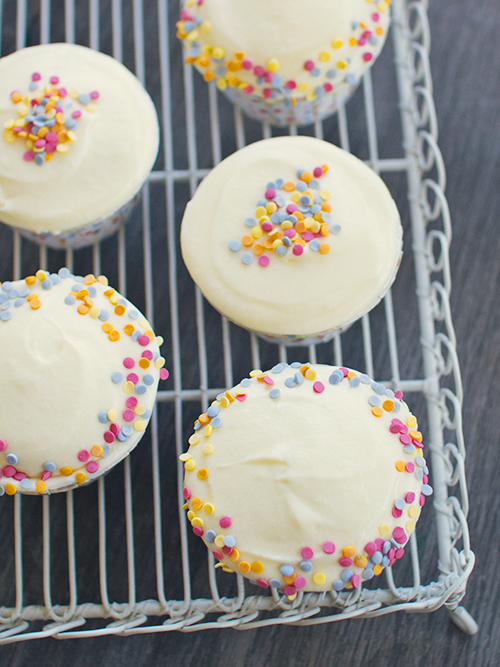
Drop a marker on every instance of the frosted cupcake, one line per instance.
(80, 369)
(292, 238)
(80, 136)
(282, 61)
(306, 477)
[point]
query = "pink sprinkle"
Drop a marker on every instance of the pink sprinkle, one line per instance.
(270, 194)
(83, 455)
(218, 554)
(297, 249)
(45, 475)
(29, 156)
(328, 87)
(264, 260)
(425, 479)
(133, 377)
(308, 236)
(94, 95)
(268, 380)
(53, 80)
(410, 467)
(375, 17)
(147, 354)
(131, 402)
(262, 583)
(164, 374)
(291, 208)
(290, 232)
(34, 103)
(370, 548)
(399, 553)
(361, 41)
(248, 90)
(290, 590)
(299, 582)
(318, 172)
(76, 114)
(241, 398)
(398, 394)
(225, 522)
(267, 226)
(259, 71)
(405, 439)
(269, 77)
(417, 444)
(36, 76)
(309, 65)
(129, 415)
(345, 371)
(379, 543)
(307, 553)
(186, 16)
(367, 34)
(109, 437)
(328, 547)
(410, 497)
(186, 493)
(9, 471)
(399, 535)
(367, 57)
(16, 130)
(396, 513)
(128, 362)
(290, 85)
(403, 429)
(345, 562)
(421, 500)
(394, 428)
(267, 92)
(391, 562)
(246, 63)
(355, 580)
(20, 475)
(115, 429)
(392, 553)
(227, 550)
(50, 137)
(40, 143)
(3, 445)
(92, 466)
(198, 531)
(143, 340)
(51, 148)
(318, 387)
(58, 109)
(29, 127)
(63, 92)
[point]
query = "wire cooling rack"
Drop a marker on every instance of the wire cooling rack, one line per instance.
(66, 557)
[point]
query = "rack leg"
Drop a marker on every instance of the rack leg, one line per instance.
(463, 620)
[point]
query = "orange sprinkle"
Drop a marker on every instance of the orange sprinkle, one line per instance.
(190, 60)
(144, 363)
(35, 304)
(289, 187)
(203, 61)
(377, 412)
(258, 249)
(298, 215)
(88, 301)
(234, 555)
(30, 297)
(325, 168)
(351, 374)
(301, 242)
(325, 206)
(324, 248)
(204, 419)
(415, 435)
(244, 567)
(16, 97)
(120, 310)
(388, 405)
(306, 177)
(400, 465)
(268, 243)
(247, 240)
(304, 369)
(291, 578)
(96, 450)
(83, 309)
(89, 279)
(48, 157)
(82, 294)
(66, 471)
(229, 396)
(114, 335)
(103, 280)
(109, 292)
(300, 227)
(29, 280)
(208, 76)
(324, 230)
(202, 473)
(129, 329)
(107, 327)
(149, 334)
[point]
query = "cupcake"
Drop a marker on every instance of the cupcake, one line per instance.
(306, 477)
(80, 137)
(282, 61)
(80, 369)
(292, 238)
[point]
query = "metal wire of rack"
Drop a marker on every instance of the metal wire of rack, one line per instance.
(440, 383)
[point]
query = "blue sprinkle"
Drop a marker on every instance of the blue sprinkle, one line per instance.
(397, 406)
(79, 279)
(296, 364)
(354, 25)
(140, 389)
(127, 430)
(103, 315)
(92, 291)
(286, 570)
(5, 316)
(389, 393)
(400, 503)
(274, 393)
(229, 541)
(75, 288)
(33, 85)
(305, 200)
(47, 284)
(210, 536)
(293, 219)
(278, 82)
(23, 293)
(26, 483)
(419, 461)
(319, 91)
(419, 474)
(246, 382)
(306, 566)
(301, 186)
(50, 466)
(219, 396)
(377, 558)
(155, 355)
(250, 222)
(335, 377)
(300, 172)
(354, 381)
(271, 185)
(374, 401)
(409, 449)
(147, 415)
(234, 245)
(365, 379)
(133, 314)
(213, 411)
(122, 302)
(426, 470)
(290, 382)
(315, 209)
(326, 217)
(299, 378)
(262, 202)
(3, 298)
(50, 123)
(373, 41)
(84, 98)
(347, 575)
(275, 583)
(378, 388)
(281, 250)
(385, 561)
(275, 217)
(315, 72)
(280, 201)
(278, 368)
(331, 74)
(122, 437)
(386, 547)
(55, 278)
(426, 489)
(39, 160)
(19, 302)
(106, 449)
(117, 377)
(13, 294)
(6, 305)
(103, 417)
(286, 241)
(148, 380)
(13, 459)
(246, 258)
(314, 183)
(215, 423)
(335, 229)
(135, 335)
(367, 574)
(338, 585)
(350, 78)
(70, 123)
(280, 183)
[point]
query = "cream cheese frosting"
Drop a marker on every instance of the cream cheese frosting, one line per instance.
(112, 144)
(307, 477)
(282, 50)
(80, 368)
(339, 263)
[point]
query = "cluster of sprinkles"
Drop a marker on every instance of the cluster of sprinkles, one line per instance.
(325, 70)
(289, 222)
(357, 564)
(135, 376)
(46, 121)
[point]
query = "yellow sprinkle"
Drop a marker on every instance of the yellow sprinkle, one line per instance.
(140, 409)
(218, 53)
(190, 515)
(319, 578)
(271, 207)
(80, 477)
(310, 374)
(273, 65)
(219, 541)
(139, 425)
(184, 457)
(221, 84)
(257, 567)
(207, 432)
(257, 232)
(208, 508)
(303, 87)
(72, 135)
(128, 387)
(286, 225)
(112, 415)
(207, 448)
(295, 197)
(255, 372)
(244, 567)
(41, 275)
(336, 44)
(10, 489)
(224, 402)
(62, 148)
(414, 512)
(194, 439)
(197, 503)
(114, 298)
(96, 450)
(410, 526)
(324, 194)
(9, 124)
(202, 473)
(190, 465)
(94, 312)
(160, 362)
(197, 521)
(9, 137)
(324, 56)
(91, 108)
(411, 421)
(377, 569)
(66, 471)
(383, 529)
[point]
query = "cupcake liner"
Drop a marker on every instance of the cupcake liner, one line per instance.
(84, 235)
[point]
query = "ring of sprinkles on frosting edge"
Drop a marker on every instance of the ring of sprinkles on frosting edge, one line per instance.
(80, 368)
(306, 477)
(290, 75)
